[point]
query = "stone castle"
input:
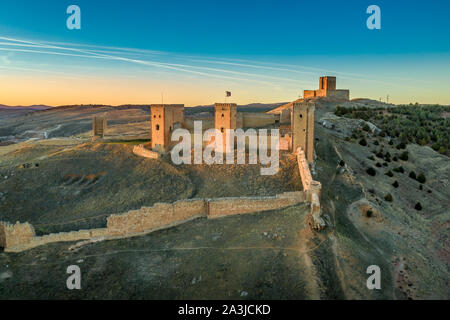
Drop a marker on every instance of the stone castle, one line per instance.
(297, 138)
(167, 117)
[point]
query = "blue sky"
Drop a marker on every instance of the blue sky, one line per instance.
(264, 51)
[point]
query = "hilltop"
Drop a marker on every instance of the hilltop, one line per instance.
(271, 255)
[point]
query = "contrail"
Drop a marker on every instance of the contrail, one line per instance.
(176, 67)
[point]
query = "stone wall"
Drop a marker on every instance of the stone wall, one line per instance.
(156, 217)
(313, 190)
(15, 234)
(303, 168)
(21, 236)
(163, 215)
(141, 151)
(232, 206)
(256, 119)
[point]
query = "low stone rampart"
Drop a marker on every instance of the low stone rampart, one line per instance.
(21, 237)
(141, 151)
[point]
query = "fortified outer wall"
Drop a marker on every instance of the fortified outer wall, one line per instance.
(153, 218)
(303, 168)
(19, 237)
(231, 206)
(163, 215)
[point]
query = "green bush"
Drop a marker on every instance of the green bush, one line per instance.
(388, 197)
(395, 184)
(421, 178)
(363, 142)
(412, 175)
(404, 156)
(418, 206)
(399, 169)
(389, 174)
(371, 171)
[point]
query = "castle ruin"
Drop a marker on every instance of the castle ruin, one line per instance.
(327, 88)
(99, 126)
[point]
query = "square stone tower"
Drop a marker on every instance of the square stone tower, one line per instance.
(302, 125)
(225, 116)
(327, 88)
(327, 83)
(99, 126)
(164, 119)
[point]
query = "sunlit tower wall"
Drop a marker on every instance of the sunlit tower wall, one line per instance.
(302, 124)
(164, 119)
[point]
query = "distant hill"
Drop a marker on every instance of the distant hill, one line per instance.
(33, 107)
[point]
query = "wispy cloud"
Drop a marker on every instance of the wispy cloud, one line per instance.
(25, 46)
(237, 70)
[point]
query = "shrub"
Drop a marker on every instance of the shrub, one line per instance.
(418, 206)
(412, 175)
(389, 174)
(376, 142)
(371, 158)
(401, 145)
(366, 127)
(342, 163)
(404, 156)
(371, 172)
(395, 184)
(421, 178)
(369, 213)
(395, 158)
(378, 165)
(399, 169)
(347, 138)
(363, 142)
(388, 197)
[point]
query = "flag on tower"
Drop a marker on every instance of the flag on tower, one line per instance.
(228, 93)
